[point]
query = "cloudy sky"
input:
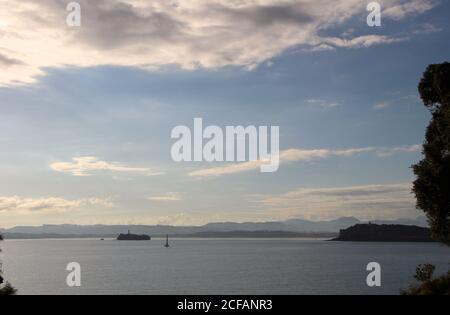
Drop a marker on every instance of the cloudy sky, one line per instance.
(87, 112)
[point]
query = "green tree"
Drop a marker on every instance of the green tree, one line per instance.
(432, 184)
(7, 288)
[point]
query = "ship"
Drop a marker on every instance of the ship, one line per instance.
(133, 237)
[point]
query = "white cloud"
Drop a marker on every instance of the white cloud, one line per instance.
(367, 202)
(170, 196)
(227, 169)
(300, 155)
(363, 41)
(386, 152)
(426, 28)
(396, 101)
(409, 8)
(178, 219)
(51, 204)
(86, 165)
(187, 33)
(322, 103)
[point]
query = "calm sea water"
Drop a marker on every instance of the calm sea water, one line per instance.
(215, 266)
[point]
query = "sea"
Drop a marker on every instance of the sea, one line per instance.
(214, 266)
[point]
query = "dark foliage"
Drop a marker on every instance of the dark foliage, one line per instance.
(424, 272)
(6, 289)
(429, 285)
(432, 184)
(434, 86)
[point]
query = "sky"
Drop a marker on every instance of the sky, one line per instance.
(86, 112)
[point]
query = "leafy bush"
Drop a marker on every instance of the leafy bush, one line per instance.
(424, 272)
(7, 289)
(431, 286)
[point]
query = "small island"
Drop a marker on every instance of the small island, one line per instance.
(133, 237)
(385, 233)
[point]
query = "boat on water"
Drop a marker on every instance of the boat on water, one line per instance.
(133, 237)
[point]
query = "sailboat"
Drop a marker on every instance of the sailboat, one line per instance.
(167, 241)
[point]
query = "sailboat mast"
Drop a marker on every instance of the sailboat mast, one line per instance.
(167, 241)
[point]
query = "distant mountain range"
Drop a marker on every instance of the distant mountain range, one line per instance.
(293, 225)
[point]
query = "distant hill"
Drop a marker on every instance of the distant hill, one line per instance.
(293, 225)
(322, 226)
(258, 234)
(385, 233)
